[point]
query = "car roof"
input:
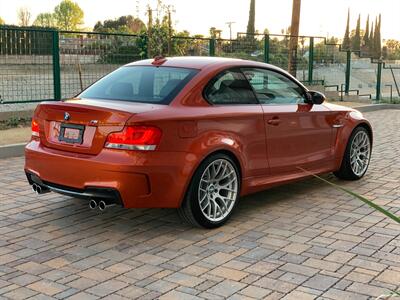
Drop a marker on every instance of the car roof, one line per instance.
(201, 62)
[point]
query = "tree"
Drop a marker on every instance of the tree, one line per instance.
(371, 40)
(353, 34)
(252, 18)
(159, 31)
(366, 33)
(124, 24)
(68, 15)
(393, 45)
(356, 39)
(377, 39)
(1, 21)
(45, 20)
(346, 39)
(212, 32)
(294, 38)
(250, 38)
(24, 16)
(392, 49)
(158, 42)
(135, 24)
(215, 33)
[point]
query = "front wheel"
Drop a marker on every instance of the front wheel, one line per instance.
(357, 155)
(213, 192)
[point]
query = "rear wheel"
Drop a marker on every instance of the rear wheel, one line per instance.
(357, 155)
(213, 192)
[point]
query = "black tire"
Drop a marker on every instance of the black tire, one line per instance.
(190, 210)
(346, 172)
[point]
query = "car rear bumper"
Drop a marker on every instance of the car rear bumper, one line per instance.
(135, 178)
(109, 195)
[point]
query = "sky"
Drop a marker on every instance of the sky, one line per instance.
(318, 17)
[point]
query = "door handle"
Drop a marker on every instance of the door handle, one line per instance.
(274, 121)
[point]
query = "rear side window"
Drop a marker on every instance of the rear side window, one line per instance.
(145, 84)
(230, 87)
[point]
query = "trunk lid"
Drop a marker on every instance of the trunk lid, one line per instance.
(95, 119)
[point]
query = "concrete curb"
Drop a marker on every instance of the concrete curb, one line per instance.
(375, 107)
(12, 150)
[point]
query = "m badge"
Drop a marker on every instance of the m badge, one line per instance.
(67, 116)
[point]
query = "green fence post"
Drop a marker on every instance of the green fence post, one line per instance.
(212, 47)
(378, 81)
(266, 48)
(56, 66)
(348, 70)
(311, 61)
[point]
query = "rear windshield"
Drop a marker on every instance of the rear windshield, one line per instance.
(145, 84)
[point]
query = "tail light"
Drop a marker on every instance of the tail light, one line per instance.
(35, 128)
(135, 138)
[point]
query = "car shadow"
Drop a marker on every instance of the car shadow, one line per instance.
(145, 224)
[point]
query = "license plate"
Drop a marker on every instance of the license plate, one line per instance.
(71, 133)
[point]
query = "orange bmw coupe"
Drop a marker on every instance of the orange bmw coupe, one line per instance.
(192, 133)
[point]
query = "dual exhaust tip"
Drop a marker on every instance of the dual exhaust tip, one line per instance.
(102, 205)
(38, 189)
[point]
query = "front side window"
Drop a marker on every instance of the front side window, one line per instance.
(273, 88)
(145, 84)
(230, 87)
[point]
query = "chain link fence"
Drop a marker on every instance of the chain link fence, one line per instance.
(38, 64)
(26, 71)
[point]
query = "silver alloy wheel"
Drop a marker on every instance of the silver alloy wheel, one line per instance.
(360, 153)
(218, 190)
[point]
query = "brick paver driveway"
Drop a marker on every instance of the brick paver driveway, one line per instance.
(300, 241)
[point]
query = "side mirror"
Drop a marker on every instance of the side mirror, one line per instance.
(315, 97)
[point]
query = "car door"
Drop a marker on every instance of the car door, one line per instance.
(298, 134)
(235, 112)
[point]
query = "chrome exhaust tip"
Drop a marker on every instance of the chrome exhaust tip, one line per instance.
(38, 189)
(103, 205)
(92, 204)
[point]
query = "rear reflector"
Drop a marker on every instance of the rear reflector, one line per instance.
(135, 138)
(35, 128)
